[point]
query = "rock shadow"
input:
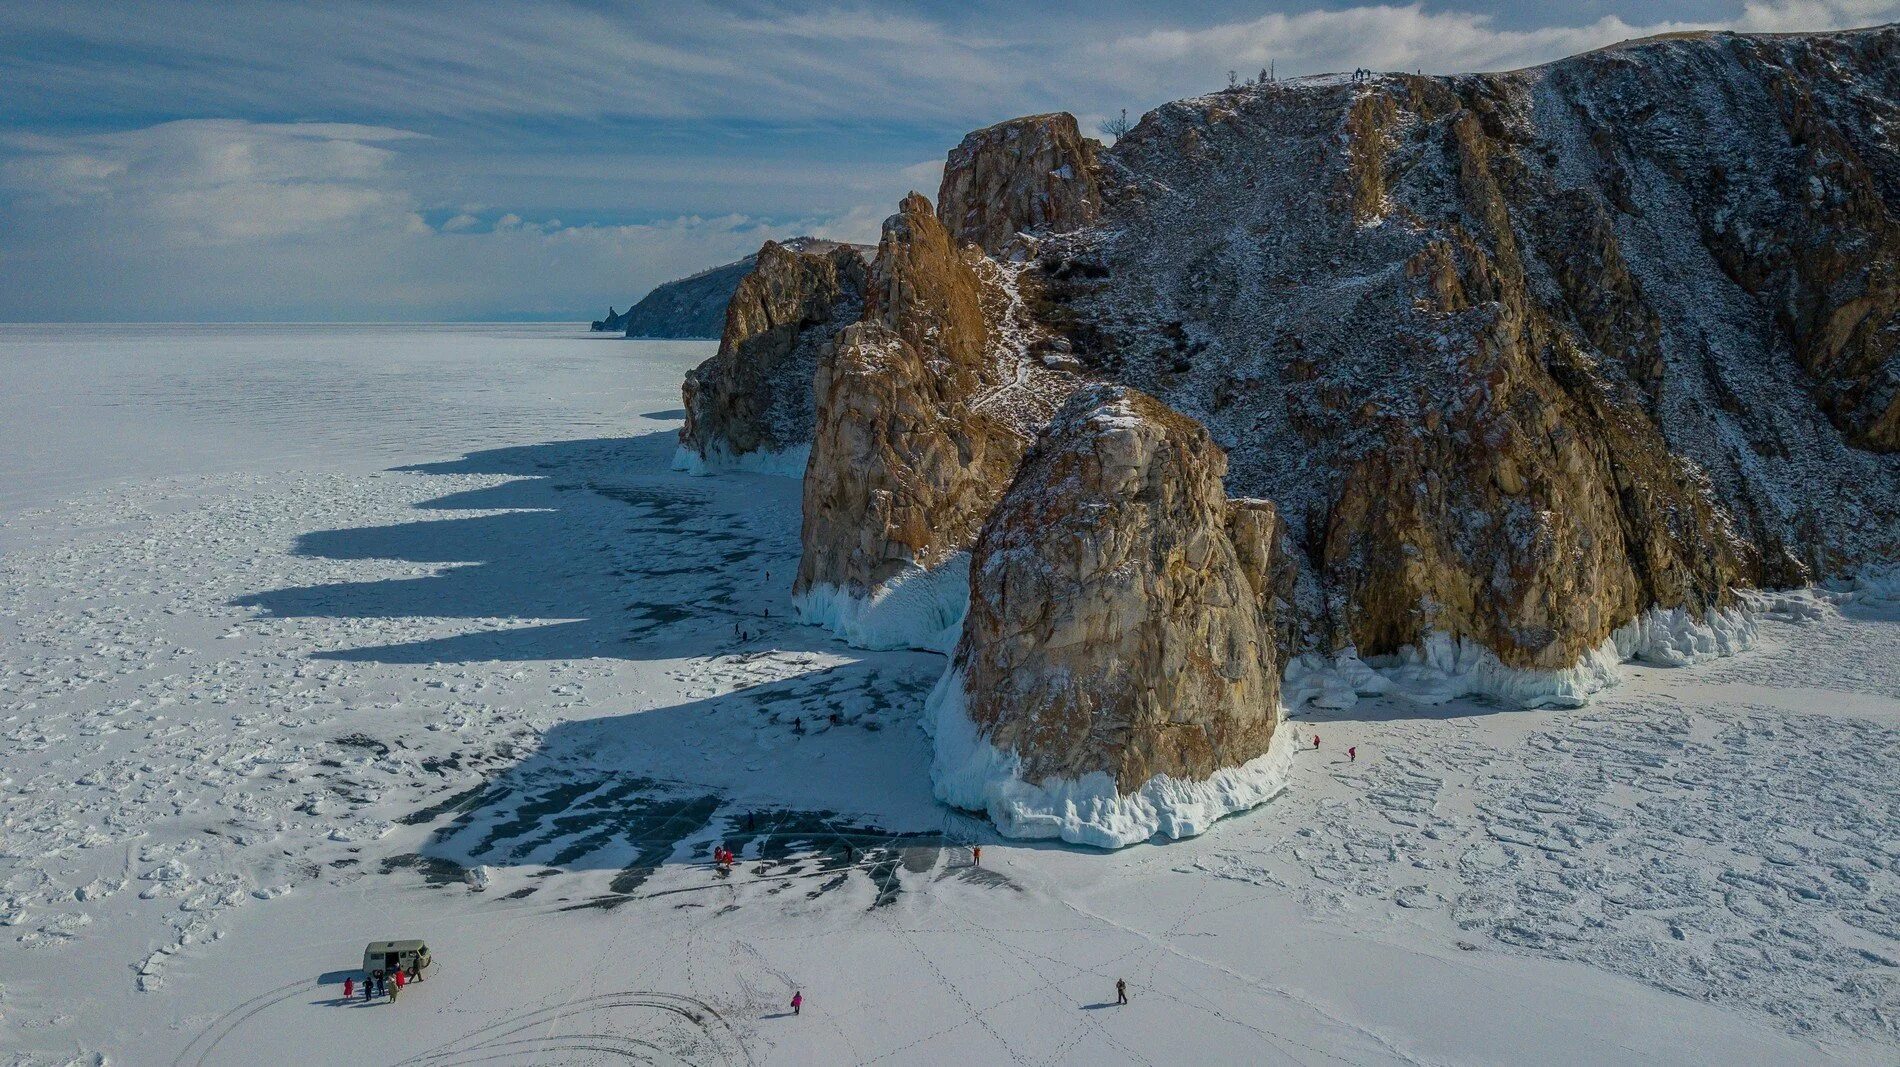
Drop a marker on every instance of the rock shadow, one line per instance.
(812, 781)
(591, 548)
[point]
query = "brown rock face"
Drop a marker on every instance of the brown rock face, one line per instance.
(755, 395)
(1034, 173)
(1521, 356)
(905, 465)
(1120, 606)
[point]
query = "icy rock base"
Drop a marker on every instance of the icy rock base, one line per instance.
(917, 609)
(972, 774)
(787, 463)
(1871, 584)
(1447, 668)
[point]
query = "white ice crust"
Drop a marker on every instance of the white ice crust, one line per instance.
(1872, 583)
(916, 609)
(1447, 668)
(972, 774)
(720, 459)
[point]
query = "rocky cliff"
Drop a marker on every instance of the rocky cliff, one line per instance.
(1119, 657)
(1517, 376)
(695, 306)
(1029, 174)
(1514, 366)
(750, 406)
(923, 410)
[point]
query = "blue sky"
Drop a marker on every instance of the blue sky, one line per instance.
(234, 161)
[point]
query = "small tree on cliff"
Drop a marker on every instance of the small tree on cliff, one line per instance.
(1117, 127)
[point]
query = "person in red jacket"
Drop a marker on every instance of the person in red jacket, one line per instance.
(397, 982)
(798, 1001)
(349, 988)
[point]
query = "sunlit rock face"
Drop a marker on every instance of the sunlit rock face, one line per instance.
(754, 398)
(1114, 626)
(1029, 174)
(925, 406)
(1521, 357)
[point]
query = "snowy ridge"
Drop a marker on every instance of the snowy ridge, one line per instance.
(786, 463)
(970, 773)
(918, 608)
(1448, 667)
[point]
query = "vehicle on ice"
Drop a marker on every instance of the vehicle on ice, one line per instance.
(387, 956)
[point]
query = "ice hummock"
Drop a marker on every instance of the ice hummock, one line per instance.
(1446, 668)
(919, 608)
(971, 773)
(720, 459)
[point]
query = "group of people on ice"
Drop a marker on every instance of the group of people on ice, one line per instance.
(379, 983)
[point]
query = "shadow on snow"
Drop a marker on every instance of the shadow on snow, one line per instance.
(633, 560)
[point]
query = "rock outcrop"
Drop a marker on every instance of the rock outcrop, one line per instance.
(1036, 173)
(1536, 369)
(1482, 342)
(695, 306)
(909, 456)
(751, 405)
(1119, 657)
(615, 322)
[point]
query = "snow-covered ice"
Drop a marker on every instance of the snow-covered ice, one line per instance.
(301, 626)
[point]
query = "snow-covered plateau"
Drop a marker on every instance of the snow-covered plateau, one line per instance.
(311, 636)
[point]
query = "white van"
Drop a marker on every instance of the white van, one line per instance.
(387, 956)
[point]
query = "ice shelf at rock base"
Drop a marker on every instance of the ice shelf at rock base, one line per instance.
(786, 463)
(1447, 668)
(1871, 583)
(972, 774)
(918, 608)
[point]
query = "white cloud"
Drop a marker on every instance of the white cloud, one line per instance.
(227, 218)
(731, 123)
(1440, 40)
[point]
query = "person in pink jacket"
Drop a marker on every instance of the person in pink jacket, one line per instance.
(798, 1001)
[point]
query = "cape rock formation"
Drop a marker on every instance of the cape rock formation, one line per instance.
(1521, 375)
(1118, 662)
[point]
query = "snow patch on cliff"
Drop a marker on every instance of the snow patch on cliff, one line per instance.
(1446, 668)
(971, 773)
(918, 608)
(719, 459)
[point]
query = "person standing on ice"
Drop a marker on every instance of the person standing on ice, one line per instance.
(396, 984)
(349, 988)
(976, 855)
(1121, 990)
(1316, 742)
(1352, 754)
(798, 1001)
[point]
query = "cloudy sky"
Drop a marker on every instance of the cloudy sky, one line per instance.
(313, 161)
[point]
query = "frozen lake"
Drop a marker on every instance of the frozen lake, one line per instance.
(316, 635)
